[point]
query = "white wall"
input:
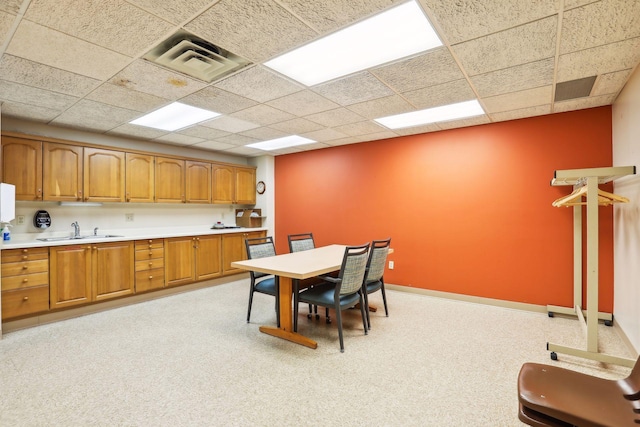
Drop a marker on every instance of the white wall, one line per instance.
(626, 152)
(266, 172)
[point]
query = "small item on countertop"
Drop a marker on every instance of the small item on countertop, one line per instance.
(6, 233)
(218, 225)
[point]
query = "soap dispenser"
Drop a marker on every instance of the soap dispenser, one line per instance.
(6, 233)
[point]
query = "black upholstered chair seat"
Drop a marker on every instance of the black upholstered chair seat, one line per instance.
(373, 286)
(323, 295)
(267, 286)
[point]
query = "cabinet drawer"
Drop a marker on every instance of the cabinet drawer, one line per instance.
(149, 244)
(27, 254)
(150, 279)
(25, 281)
(149, 254)
(149, 264)
(21, 302)
(25, 267)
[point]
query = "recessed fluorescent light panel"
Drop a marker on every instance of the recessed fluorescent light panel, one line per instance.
(444, 113)
(399, 32)
(284, 142)
(174, 116)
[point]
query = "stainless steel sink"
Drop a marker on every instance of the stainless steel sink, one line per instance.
(59, 239)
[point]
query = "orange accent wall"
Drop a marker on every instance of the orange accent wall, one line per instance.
(468, 210)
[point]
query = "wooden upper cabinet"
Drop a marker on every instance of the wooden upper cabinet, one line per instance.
(22, 166)
(140, 173)
(198, 186)
(169, 184)
(104, 179)
(245, 186)
(62, 171)
(223, 184)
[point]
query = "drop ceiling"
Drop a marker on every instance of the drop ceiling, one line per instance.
(79, 64)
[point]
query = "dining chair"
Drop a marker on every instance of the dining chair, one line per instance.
(374, 279)
(344, 291)
(554, 396)
(297, 243)
(263, 283)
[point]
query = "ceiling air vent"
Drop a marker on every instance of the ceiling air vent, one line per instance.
(188, 54)
(573, 89)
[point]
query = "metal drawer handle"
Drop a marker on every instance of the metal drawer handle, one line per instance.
(25, 299)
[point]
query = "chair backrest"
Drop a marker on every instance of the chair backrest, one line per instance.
(300, 242)
(354, 264)
(260, 247)
(377, 259)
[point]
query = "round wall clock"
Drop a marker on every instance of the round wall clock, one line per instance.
(260, 187)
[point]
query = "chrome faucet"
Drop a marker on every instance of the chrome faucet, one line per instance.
(76, 229)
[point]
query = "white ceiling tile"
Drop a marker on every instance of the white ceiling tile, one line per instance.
(6, 22)
(218, 100)
(385, 134)
(469, 19)
(599, 23)
(343, 141)
(599, 60)
(337, 117)
(514, 79)
(126, 98)
(303, 103)
(361, 128)
(610, 83)
(246, 151)
(263, 115)
(431, 68)
(176, 138)
(11, 6)
(136, 131)
(382, 107)
(175, 11)
(254, 29)
(442, 94)
(417, 130)
(213, 145)
(519, 45)
(571, 4)
(203, 132)
(539, 110)
(582, 103)
(28, 112)
(19, 70)
(40, 44)
(259, 84)
(148, 78)
(353, 89)
(114, 24)
(296, 126)
(264, 133)
(518, 100)
(236, 139)
(229, 124)
(33, 96)
(471, 121)
(313, 146)
(324, 135)
(330, 15)
(94, 115)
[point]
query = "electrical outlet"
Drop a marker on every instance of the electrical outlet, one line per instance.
(128, 217)
(20, 219)
(391, 265)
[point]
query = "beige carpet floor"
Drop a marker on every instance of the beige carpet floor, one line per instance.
(192, 360)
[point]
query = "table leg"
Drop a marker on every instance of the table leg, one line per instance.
(285, 331)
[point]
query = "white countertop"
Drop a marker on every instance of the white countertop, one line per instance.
(30, 240)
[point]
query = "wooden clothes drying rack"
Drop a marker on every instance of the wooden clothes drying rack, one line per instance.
(585, 182)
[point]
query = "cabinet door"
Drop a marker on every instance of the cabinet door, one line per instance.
(179, 261)
(208, 257)
(22, 167)
(198, 177)
(140, 172)
(223, 184)
(70, 275)
(169, 180)
(245, 186)
(103, 175)
(232, 250)
(62, 171)
(112, 270)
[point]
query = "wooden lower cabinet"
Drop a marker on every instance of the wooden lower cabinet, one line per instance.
(189, 259)
(233, 249)
(25, 282)
(84, 273)
(149, 265)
